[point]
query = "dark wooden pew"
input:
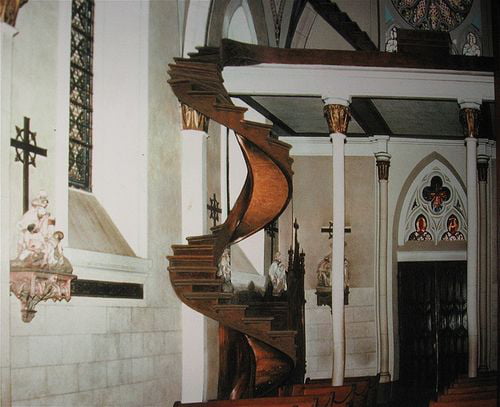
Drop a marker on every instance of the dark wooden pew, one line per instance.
(359, 397)
(470, 389)
(344, 395)
(480, 395)
(465, 403)
(285, 401)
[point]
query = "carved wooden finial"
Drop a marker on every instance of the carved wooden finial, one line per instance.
(9, 10)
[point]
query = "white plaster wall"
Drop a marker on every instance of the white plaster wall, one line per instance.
(34, 85)
(94, 351)
(120, 121)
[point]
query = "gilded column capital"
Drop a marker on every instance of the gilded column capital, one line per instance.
(193, 120)
(337, 116)
(383, 164)
(482, 168)
(9, 10)
(469, 118)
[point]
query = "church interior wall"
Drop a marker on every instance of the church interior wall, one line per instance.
(101, 351)
(312, 206)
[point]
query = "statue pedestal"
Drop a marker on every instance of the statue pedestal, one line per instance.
(324, 296)
(31, 286)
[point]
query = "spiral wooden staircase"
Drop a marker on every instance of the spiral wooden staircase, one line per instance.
(271, 344)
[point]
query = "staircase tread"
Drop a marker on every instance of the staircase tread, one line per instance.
(190, 257)
(282, 333)
(230, 306)
(207, 295)
(192, 268)
(197, 281)
(254, 319)
(250, 123)
(227, 106)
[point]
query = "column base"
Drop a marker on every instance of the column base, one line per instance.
(385, 377)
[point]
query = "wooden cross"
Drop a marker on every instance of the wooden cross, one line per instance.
(329, 229)
(271, 230)
(26, 152)
(214, 209)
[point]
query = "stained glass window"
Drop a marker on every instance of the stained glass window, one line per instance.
(437, 15)
(80, 100)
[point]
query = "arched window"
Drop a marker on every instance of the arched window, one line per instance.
(434, 207)
(80, 98)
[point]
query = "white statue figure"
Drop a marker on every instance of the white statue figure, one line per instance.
(39, 246)
(277, 275)
(224, 271)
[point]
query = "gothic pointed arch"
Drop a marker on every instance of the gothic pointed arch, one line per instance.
(432, 204)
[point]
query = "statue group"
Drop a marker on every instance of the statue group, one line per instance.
(39, 244)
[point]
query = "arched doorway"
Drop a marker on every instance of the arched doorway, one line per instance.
(432, 281)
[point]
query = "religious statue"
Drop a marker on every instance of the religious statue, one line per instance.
(325, 267)
(277, 276)
(224, 271)
(471, 48)
(39, 245)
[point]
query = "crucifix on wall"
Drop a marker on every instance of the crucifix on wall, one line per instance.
(329, 229)
(26, 152)
(214, 209)
(271, 230)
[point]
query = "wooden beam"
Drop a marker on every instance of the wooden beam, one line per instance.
(234, 53)
(342, 23)
(369, 118)
(281, 125)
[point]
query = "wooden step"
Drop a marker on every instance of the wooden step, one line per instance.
(282, 334)
(203, 240)
(471, 389)
(191, 260)
(207, 296)
(187, 250)
(190, 272)
(230, 108)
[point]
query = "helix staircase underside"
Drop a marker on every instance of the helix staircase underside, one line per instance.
(265, 194)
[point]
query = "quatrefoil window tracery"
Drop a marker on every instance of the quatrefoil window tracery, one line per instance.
(435, 203)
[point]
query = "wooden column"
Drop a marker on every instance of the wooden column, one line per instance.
(383, 164)
(469, 115)
(482, 172)
(337, 115)
(194, 221)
